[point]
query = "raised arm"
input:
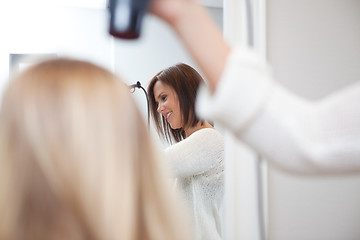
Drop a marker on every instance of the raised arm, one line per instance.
(200, 35)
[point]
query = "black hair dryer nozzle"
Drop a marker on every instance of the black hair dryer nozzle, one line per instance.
(126, 17)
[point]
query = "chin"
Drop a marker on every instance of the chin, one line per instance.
(174, 127)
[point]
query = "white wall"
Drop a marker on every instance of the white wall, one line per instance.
(66, 31)
(314, 49)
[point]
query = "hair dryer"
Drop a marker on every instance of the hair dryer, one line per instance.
(126, 17)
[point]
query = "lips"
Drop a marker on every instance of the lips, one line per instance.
(168, 115)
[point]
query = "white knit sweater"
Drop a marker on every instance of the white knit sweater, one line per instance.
(296, 134)
(197, 162)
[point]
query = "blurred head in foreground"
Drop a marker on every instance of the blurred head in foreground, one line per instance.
(76, 161)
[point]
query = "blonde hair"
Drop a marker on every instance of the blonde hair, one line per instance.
(76, 161)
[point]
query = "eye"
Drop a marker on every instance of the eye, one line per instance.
(163, 97)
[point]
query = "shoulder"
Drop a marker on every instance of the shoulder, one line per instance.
(203, 139)
(208, 134)
(207, 138)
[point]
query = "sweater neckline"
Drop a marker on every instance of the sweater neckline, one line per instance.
(202, 129)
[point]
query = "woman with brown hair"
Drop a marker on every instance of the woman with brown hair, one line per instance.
(76, 161)
(196, 158)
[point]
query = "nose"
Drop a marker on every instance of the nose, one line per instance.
(160, 108)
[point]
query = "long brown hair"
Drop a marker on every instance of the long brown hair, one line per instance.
(185, 81)
(76, 160)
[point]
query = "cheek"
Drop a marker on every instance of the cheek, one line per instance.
(178, 111)
(179, 118)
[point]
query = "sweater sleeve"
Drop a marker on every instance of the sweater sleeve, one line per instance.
(293, 133)
(200, 152)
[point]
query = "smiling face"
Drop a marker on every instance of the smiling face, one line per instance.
(172, 93)
(168, 104)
